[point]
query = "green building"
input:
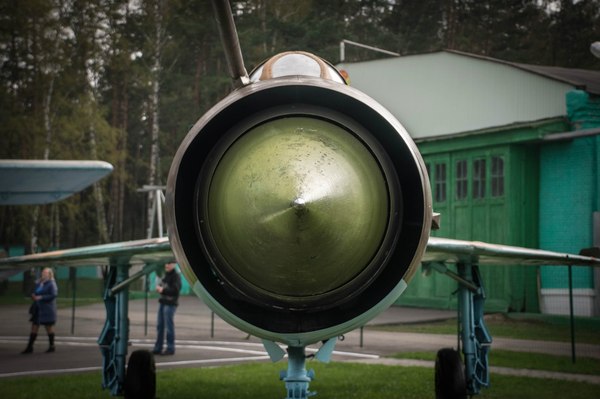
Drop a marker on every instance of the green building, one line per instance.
(513, 155)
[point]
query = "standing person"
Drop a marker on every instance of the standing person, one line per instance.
(43, 309)
(169, 294)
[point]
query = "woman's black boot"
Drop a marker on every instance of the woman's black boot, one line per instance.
(51, 340)
(29, 348)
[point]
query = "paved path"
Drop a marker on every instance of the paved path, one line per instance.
(204, 339)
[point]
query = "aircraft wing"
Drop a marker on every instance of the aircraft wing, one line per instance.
(158, 250)
(28, 182)
(140, 252)
(446, 250)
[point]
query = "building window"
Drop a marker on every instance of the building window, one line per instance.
(479, 178)
(461, 180)
(497, 176)
(440, 182)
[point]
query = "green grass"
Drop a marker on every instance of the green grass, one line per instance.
(522, 360)
(251, 381)
(518, 326)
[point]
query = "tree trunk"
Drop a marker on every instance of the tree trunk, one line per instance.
(154, 151)
(450, 21)
(98, 198)
(48, 142)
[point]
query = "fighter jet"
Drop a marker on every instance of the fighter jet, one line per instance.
(298, 209)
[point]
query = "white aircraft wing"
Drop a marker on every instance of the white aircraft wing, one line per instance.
(28, 182)
(158, 250)
(446, 250)
(139, 252)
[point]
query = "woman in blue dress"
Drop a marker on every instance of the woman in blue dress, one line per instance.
(43, 309)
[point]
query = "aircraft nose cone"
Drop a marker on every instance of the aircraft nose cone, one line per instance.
(299, 204)
(296, 207)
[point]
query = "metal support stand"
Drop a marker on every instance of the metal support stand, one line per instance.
(73, 278)
(361, 336)
(571, 314)
(157, 199)
(296, 377)
(212, 324)
(146, 291)
(157, 196)
(114, 337)
(474, 335)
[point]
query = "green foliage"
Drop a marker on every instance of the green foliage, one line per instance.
(75, 70)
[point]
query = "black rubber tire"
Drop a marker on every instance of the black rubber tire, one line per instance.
(140, 379)
(450, 380)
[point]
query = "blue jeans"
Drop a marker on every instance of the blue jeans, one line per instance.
(166, 314)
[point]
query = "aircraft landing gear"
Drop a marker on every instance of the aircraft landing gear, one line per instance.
(296, 378)
(474, 339)
(140, 380)
(449, 375)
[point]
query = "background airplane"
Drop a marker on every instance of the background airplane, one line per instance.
(298, 209)
(37, 182)
(28, 182)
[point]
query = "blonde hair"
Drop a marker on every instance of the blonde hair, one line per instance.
(50, 272)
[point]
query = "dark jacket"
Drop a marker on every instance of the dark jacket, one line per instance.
(171, 283)
(46, 307)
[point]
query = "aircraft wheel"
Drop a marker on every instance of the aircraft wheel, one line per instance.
(450, 380)
(140, 379)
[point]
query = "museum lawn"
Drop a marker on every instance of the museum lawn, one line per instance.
(532, 326)
(260, 380)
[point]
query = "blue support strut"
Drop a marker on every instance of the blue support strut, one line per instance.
(297, 378)
(114, 337)
(475, 338)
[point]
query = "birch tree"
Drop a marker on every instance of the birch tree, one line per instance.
(158, 11)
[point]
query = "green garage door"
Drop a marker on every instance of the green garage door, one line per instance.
(484, 194)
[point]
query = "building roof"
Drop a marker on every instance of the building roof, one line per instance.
(446, 93)
(583, 79)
